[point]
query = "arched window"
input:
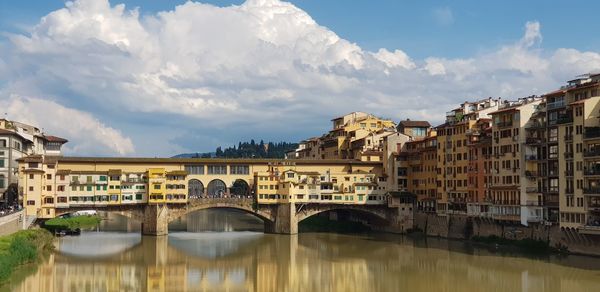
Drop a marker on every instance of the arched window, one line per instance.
(195, 189)
(240, 189)
(217, 189)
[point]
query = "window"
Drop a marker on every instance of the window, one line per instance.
(194, 169)
(102, 178)
(217, 169)
(2, 184)
(31, 189)
(30, 203)
(48, 176)
(31, 176)
(2, 163)
(49, 188)
(239, 169)
(138, 196)
(3, 143)
(157, 187)
(89, 188)
(290, 175)
(33, 165)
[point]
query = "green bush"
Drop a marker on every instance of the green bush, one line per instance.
(72, 223)
(21, 248)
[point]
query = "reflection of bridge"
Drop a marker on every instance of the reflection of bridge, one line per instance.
(278, 218)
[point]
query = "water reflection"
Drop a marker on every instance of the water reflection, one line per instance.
(251, 261)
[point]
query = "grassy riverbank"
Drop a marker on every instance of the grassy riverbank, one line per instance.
(323, 224)
(21, 248)
(72, 223)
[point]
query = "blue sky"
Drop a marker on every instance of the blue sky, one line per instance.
(178, 76)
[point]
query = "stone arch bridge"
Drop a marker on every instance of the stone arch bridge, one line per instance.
(280, 218)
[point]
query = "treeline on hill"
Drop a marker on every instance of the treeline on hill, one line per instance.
(250, 150)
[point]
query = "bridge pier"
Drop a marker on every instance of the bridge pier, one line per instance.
(156, 220)
(286, 221)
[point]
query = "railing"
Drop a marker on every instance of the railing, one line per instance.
(591, 132)
(564, 120)
(504, 124)
(555, 105)
(568, 155)
(591, 153)
(592, 191)
(534, 125)
(531, 174)
(568, 137)
(531, 157)
(591, 172)
(569, 172)
(532, 140)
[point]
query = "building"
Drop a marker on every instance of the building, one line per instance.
(49, 183)
(18, 140)
(357, 135)
(452, 153)
(421, 171)
(578, 141)
(479, 173)
(511, 195)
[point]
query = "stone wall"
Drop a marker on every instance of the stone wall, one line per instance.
(12, 223)
(463, 227)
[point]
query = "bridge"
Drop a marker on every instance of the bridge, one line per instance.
(280, 218)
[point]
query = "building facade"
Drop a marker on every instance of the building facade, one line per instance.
(49, 183)
(18, 140)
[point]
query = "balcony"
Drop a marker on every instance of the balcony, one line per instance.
(569, 172)
(504, 124)
(555, 105)
(534, 141)
(532, 190)
(591, 132)
(592, 191)
(564, 120)
(591, 172)
(569, 137)
(568, 155)
(536, 125)
(532, 157)
(591, 153)
(531, 174)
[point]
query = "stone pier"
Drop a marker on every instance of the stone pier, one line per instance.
(286, 221)
(156, 220)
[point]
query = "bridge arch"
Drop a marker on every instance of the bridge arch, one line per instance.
(375, 213)
(195, 188)
(247, 205)
(217, 189)
(240, 189)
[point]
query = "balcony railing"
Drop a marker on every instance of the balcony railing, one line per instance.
(569, 172)
(592, 191)
(555, 105)
(591, 132)
(504, 124)
(591, 153)
(533, 140)
(591, 172)
(568, 137)
(536, 125)
(532, 190)
(568, 155)
(564, 120)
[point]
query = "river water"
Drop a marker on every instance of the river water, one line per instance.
(208, 251)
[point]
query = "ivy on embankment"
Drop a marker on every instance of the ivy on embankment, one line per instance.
(21, 248)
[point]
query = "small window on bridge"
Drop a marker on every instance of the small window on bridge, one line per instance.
(239, 169)
(194, 169)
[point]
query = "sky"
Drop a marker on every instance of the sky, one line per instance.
(158, 78)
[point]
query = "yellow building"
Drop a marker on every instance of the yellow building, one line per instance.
(452, 153)
(354, 136)
(51, 183)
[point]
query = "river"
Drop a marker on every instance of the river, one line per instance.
(223, 250)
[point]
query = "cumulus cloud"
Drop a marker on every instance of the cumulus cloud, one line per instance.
(87, 134)
(245, 70)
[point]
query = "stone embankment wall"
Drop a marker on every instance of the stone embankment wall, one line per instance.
(12, 223)
(463, 227)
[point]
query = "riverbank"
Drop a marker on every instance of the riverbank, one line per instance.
(21, 248)
(72, 223)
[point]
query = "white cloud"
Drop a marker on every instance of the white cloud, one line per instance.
(262, 66)
(87, 134)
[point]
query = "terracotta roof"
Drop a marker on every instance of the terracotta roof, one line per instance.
(55, 139)
(409, 123)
